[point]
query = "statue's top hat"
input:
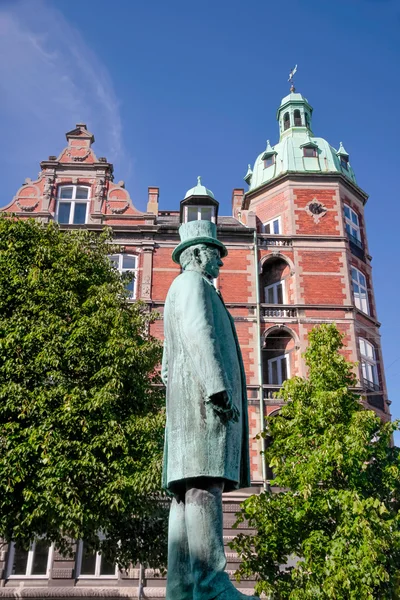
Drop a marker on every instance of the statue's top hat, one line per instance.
(198, 232)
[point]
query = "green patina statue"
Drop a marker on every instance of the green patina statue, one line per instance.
(206, 439)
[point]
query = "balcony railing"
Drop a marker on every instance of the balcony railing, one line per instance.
(277, 240)
(269, 390)
(356, 246)
(370, 386)
(273, 311)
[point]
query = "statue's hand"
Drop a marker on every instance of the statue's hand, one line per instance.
(223, 405)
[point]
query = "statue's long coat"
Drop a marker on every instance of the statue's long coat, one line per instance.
(202, 357)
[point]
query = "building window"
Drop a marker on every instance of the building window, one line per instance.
(360, 290)
(286, 121)
(278, 369)
(275, 293)
(35, 562)
(126, 263)
(307, 120)
(272, 227)
(92, 564)
(269, 161)
(352, 224)
(368, 365)
(72, 204)
(200, 213)
(297, 118)
(309, 152)
(344, 162)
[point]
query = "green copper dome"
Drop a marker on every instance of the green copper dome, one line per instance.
(199, 190)
(298, 150)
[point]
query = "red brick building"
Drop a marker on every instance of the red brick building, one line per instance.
(298, 251)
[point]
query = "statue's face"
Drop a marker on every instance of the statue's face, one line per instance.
(209, 261)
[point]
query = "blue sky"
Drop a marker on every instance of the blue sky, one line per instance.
(177, 89)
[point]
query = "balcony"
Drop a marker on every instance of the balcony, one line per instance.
(274, 240)
(278, 311)
(356, 247)
(370, 386)
(268, 393)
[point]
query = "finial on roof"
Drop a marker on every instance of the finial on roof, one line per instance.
(248, 175)
(199, 180)
(342, 151)
(291, 75)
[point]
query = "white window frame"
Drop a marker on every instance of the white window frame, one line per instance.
(271, 225)
(97, 575)
(199, 212)
(352, 222)
(29, 564)
(360, 298)
(274, 287)
(73, 201)
(369, 367)
(120, 268)
(279, 359)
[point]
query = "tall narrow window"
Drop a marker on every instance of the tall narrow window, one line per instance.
(307, 120)
(297, 118)
(34, 562)
(278, 369)
(72, 204)
(93, 564)
(273, 226)
(344, 162)
(286, 121)
(368, 365)
(127, 263)
(360, 290)
(275, 293)
(352, 224)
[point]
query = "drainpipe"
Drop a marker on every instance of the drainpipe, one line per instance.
(259, 362)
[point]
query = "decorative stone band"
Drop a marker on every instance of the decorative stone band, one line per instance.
(112, 593)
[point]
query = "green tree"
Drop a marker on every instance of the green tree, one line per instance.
(334, 524)
(81, 421)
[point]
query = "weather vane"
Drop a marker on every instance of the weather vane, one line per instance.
(291, 75)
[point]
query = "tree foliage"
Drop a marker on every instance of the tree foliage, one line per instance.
(81, 425)
(334, 522)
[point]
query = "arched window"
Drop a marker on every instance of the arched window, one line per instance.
(286, 121)
(297, 118)
(274, 276)
(277, 350)
(360, 290)
(368, 365)
(126, 263)
(307, 120)
(72, 204)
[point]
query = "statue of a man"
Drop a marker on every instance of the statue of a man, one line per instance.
(206, 439)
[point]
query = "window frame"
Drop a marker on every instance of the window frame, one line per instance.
(97, 567)
(121, 269)
(359, 301)
(368, 363)
(271, 224)
(286, 122)
(200, 207)
(73, 201)
(309, 149)
(279, 359)
(29, 563)
(353, 225)
(274, 287)
(271, 163)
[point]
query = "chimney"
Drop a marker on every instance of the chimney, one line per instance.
(152, 204)
(237, 199)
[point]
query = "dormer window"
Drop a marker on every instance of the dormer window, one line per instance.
(309, 152)
(286, 121)
(200, 213)
(344, 162)
(297, 118)
(72, 204)
(269, 161)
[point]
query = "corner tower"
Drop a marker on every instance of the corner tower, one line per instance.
(313, 258)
